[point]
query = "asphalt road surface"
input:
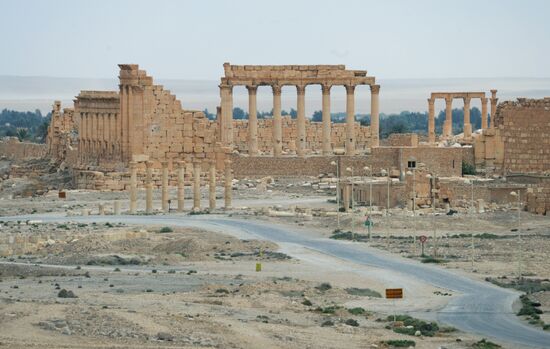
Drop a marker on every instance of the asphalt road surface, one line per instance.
(480, 307)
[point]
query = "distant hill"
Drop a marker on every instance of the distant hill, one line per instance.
(396, 95)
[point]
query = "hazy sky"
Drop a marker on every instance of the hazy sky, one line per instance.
(192, 39)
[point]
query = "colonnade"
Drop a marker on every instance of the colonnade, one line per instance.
(226, 122)
(165, 188)
(99, 135)
(448, 124)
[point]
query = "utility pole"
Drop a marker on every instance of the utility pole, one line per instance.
(335, 163)
(350, 169)
(473, 209)
(519, 232)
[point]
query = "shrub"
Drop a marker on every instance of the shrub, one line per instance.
(428, 329)
(325, 286)
(307, 302)
(352, 322)
(432, 260)
(356, 311)
(66, 294)
(485, 344)
(468, 169)
(327, 323)
(166, 230)
(222, 290)
(117, 269)
(363, 292)
(400, 343)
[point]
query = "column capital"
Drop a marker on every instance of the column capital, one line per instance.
(133, 164)
(326, 88)
(301, 89)
(252, 89)
(149, 164)
(276, 89)
(375, 89)
(164, 163)
(181, 163)
(467, 100)
(350, 89)
(483, 100)
(449, 100)
(431, 101)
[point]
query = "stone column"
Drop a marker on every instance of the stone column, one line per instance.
(301, 120)
(431, 121)
(350, 119)
(226, 122)
(228, 195)
(327, 148)
(252, 121)
(448, 125)
(149, 188)
(277, 127)
(116, 208)
(467, 124)
(181, 185)
(133, 187)
(494, 101)
(212, 187)
(164, 197)
(484, 113)
(374, 116)
(196, 186)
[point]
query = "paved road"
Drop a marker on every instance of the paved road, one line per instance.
(481, 308)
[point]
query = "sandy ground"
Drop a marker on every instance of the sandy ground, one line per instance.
(195, 288)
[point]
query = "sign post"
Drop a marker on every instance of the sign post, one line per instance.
(368, 223)
(394, 293)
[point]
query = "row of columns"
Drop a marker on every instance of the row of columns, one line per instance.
(226, 122)
(98, 135)
(448, 124)
(181, 186)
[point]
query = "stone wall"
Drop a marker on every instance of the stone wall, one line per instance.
(402, 140)
(313, 142)
(62, 132)
(11, 148)
(142, 121)
(525, 126)
(442, 161)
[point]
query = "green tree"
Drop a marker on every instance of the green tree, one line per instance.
(22, 134)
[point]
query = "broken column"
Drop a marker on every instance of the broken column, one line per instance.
(212, 187)
(164, 199)
(149, 187)
(181, 185)
(350, 119)
(133, 187)
(326, 131)
(116, 208)
(196, 186)
(494, 101)
(228, 184)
